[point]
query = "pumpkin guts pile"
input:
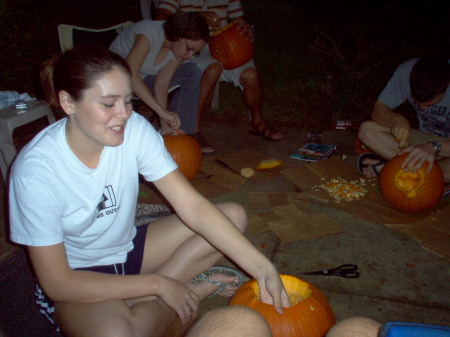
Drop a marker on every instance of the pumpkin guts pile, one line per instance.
(340, 189)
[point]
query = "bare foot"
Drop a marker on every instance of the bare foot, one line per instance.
(204, 289)
(372, 165)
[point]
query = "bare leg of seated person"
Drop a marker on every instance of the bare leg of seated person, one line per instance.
(171, 249)
(253, 97)
(208, 82)
(355, 326)
(233, 321)
(380, 141)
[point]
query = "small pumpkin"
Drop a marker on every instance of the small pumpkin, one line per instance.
(230, 48)
(186, 152)
(310, 314)
(411, 192)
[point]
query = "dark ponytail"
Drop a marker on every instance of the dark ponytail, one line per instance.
(76, 70)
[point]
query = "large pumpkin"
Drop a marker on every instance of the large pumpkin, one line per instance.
(186, 152)
(310, 314)
(412, 192)
(230, 48)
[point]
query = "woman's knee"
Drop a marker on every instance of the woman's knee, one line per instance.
(249, 76)
(236, 213)
(213, 72)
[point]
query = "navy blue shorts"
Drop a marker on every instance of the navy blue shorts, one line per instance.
(132, 266)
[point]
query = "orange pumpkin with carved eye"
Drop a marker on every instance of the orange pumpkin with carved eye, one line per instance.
(310, 314)
(230, 48)
(186, 152)
(412, 192)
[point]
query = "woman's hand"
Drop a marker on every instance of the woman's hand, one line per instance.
(272, 291)
(179, 297)
(171, 118)
(417, 156)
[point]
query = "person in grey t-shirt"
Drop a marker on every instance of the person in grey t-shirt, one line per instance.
(424, 83)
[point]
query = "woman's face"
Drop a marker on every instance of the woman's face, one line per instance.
(185, 49)
(100, 118)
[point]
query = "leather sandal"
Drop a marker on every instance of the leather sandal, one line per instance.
(265, 130)
(205, 146)
(375, 167)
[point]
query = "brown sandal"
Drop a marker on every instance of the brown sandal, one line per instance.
(265, 130)
(205, 146)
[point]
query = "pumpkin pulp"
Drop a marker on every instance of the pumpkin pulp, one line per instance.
(408, 182)
(296, 292)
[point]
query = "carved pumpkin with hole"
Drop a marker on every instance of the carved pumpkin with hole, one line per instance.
(310, 314)
(186, 152)
(230, 48)
(412, 192)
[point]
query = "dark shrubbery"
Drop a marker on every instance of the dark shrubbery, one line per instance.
(320, 60)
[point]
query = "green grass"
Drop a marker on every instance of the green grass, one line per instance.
(319, 60)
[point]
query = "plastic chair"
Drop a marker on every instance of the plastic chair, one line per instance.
(11, 118)
(7, 154)
(70, 35)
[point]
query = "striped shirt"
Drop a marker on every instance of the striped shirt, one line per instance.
(226, 10)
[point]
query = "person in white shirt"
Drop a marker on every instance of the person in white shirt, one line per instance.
(219, 13)
(73, 192)
(156, 64)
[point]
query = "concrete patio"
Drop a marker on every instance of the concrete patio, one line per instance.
(399, 280)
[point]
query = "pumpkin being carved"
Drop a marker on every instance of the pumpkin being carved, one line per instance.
(412, 192)
(186, 152)
(230, 48)
(310, 314)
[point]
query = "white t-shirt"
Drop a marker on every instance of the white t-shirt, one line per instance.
(55, 198)
(154, 32)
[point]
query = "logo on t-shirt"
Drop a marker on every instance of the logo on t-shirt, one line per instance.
(107, 202)
(435, 120)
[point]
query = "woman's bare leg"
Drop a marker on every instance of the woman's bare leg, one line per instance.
(183, 254)
(171, 249)
(114, 318)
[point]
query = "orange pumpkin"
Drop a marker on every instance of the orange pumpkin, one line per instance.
(412, 192)
(230, 48)
(186, 152)
(310, 314)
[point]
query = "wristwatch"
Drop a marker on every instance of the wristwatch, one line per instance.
(437, 146)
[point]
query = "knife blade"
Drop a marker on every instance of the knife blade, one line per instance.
(225, 165)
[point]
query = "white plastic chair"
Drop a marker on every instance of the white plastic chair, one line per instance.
(11, 118)
(7, 154)
(70, 35)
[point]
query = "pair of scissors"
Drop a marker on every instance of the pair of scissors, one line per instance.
(345, 270)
